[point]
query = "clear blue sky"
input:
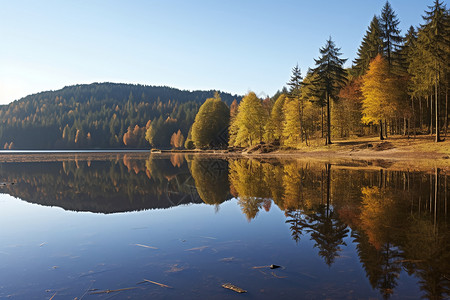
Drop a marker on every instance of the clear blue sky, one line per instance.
(231, 45)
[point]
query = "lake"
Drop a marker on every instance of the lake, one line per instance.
(149, 226)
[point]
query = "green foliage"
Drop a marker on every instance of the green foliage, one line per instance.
(371, 45)
(211, 124)
(330, 77)
(390, 33)
(50, 120)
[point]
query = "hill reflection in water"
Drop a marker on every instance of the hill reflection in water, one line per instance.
(396, 219)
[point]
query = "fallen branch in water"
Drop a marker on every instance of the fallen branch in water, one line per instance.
(157, 283)
(197, 248)
(263, 267)
(276, 276)
(113, 291)
(88, 289)
(233, 288)
(145, 246)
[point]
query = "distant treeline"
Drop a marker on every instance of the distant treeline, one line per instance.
(100, 115)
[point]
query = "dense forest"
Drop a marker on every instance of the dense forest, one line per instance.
(100, 115)
(398, 84)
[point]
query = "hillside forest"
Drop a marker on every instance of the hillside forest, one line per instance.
(397, 84)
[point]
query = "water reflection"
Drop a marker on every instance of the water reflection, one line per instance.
(397, 220)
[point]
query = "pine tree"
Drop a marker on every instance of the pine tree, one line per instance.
(434, 40)
(407, 54)
(330, 76)
(391, 33)
(371, 45)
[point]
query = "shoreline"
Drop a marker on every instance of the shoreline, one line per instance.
(419, 153)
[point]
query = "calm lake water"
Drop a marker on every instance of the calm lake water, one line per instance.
(162, 227)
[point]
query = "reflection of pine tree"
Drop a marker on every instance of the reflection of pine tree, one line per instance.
(369, 256)
(390, 256)
(328, 232)
(298, 224)
(428, 252)
(382, 265)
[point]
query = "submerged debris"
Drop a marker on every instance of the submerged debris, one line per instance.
(271, 267)
(276, 276)
(112, 291)
(197, 248)
(157, 283)
(145, 246)
(228, 259)
(233, 288)
(274, 266)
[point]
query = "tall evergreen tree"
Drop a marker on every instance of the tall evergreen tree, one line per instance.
(371, 45)
(331, 76)
(434, 41)
(390, 32)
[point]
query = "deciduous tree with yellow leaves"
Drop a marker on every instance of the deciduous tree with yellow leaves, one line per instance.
(380, 92)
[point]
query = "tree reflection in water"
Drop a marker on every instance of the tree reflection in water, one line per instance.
(396, 219)
(390, 215)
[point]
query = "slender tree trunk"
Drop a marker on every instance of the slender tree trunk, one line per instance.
(420, 115)
(446, 111)
(385, 128)
(321, 115)
(436, 94)
(431, 115)
(413, 116)
(438, 137)
(301, 118)
(404, 126)
(328, 121)
(381, 130)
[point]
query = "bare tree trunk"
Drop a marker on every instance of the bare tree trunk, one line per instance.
(328, 121)
(404, 126)
(431, 115)
(420, 114)
(381, 130)
(321, 114)
(436, 92)
(413, 116)
(385, 128)
(446, 111)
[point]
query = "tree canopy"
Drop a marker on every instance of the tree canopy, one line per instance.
(210, 128)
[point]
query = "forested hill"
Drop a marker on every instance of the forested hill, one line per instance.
(100, 115)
